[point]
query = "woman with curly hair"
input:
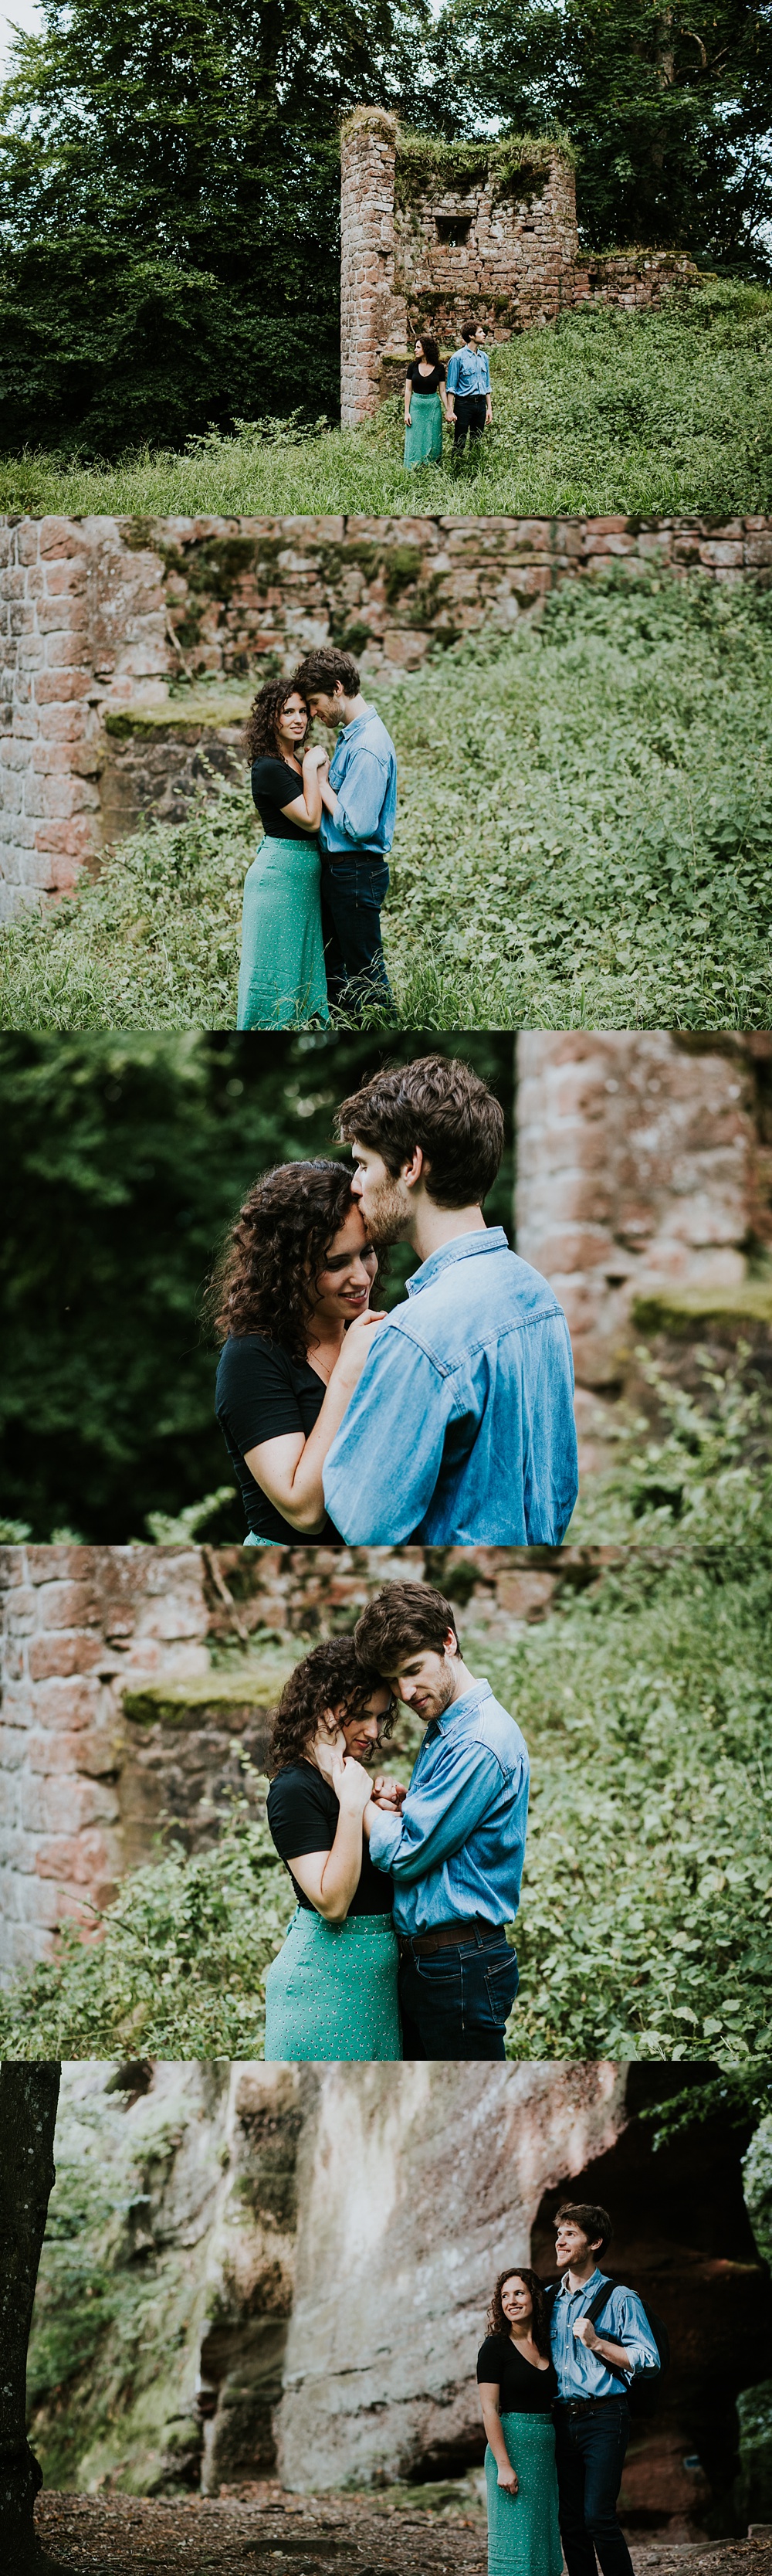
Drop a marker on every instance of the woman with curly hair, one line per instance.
(282, 982)
(517, 2381)
(290, 1303)
(332, 1991)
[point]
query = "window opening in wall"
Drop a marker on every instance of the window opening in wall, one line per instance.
(453, 229)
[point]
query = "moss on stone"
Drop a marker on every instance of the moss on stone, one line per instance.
(180, 715)
(680, 1311)
(509, 161)
(213, 1696)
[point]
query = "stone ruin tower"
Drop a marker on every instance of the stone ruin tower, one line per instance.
(434, 234)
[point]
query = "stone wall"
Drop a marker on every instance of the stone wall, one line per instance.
(115, 1718)
(131, 648)
(299, 2260)
(644, 1191)
(434, 234)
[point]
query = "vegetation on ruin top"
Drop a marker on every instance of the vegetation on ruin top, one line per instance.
(649, 413)
(610, 868)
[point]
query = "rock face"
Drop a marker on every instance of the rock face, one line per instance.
(412, 2195)
(176, 2187)
(260, 2266)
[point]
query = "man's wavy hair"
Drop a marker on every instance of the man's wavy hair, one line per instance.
(260, 737)
(440, 1103)
(329, 1677)
(266, 1277)
(496, 2321)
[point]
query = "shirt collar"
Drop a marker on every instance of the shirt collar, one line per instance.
(462, 1248)
(462, 1707)
(592, 2284)
(347, 730)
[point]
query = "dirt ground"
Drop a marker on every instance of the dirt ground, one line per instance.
(263, 2530)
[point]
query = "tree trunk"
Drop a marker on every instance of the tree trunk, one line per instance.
(29, 2093)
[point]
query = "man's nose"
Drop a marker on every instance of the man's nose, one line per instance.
(357, 1185)
(406, 1691)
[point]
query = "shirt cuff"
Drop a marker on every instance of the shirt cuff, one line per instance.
(385, 1832)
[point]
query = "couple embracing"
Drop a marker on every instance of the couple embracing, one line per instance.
(554, 2376)
(311, 918)
(450, 1419)
(398, 1944)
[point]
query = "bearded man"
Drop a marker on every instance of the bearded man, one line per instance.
(454, 1841)
(461, 1429)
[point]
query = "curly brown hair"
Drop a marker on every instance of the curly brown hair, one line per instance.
(496, 2321)
(330, 1676)
(265, 1279)
(260, 737)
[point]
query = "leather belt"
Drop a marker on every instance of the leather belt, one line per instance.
(580, 2405)
(451, 1936)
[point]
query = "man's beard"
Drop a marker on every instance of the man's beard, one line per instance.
(386, 1218)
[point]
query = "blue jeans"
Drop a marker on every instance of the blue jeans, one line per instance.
(470, 421)
(590, 2457)
(454, 2001)
(352, 893)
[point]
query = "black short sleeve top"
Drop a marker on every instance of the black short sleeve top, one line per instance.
(426, 384)
(523, 2390)
(303, 1816)
(274, 784)
(262, 1393)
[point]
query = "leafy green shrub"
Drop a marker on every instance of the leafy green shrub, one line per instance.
(607, 866)
(180, 1968)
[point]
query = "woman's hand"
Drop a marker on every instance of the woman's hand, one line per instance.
(388, 1793)
(357, 1341)
(508, 2479)
(316, 757)
(327, 1748)
(352, 1785)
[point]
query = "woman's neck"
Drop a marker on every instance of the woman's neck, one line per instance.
(325, 1344)
(288, 753)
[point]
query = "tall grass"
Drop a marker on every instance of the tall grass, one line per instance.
(584, 837)
(647, 413)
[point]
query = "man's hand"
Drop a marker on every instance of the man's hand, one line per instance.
(388, 1793)
(584, 2331)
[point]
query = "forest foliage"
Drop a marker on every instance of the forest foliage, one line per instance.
(169, 180)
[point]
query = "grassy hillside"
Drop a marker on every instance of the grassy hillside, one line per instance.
(649, 413)
(584, 836)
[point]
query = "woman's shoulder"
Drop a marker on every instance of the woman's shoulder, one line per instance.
(493, 2350)
(268, 771)
(294, 1778)
(242, 1350)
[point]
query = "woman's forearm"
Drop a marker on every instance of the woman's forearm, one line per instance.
(304, 1504)
(492, 2422)
(342, 1869)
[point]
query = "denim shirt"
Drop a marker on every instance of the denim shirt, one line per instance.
(363, 773)
(582, 2373)
(457, 1848)
(461, 1429)
(468, 372)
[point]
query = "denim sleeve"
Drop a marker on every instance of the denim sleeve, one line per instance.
(625, 2321)
(360, 798)
(381, 1470)
(451, 379)
(550, 1464)
(436, 1821)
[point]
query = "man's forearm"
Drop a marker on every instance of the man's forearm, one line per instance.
(614, 2353)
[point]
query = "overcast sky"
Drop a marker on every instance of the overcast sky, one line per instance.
(20, 13)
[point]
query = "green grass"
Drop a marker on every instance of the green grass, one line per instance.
(584, 837)
(657, 413)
